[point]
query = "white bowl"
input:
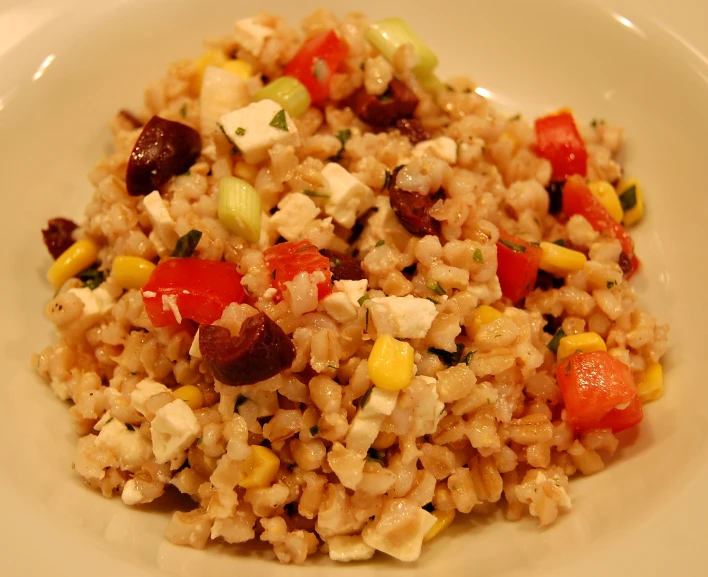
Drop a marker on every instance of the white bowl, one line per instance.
(67, 66)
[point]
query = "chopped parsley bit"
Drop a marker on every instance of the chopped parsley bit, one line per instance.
(129, 427)
(367, 320)
(363, 299)
(597, 122)
(489, 401)
(342, 136)
(555, 341)
(448, 359)
(314, 430)
(336, 261)
(436, 288)
(628, 199)
(467, 358)
(478, 256)
(313, 194)
(240, 131)
(333, 367)
(199, 441)
(611, 284)
(308, 247)
(280, 121)
(387, 181)
(108, 421)
(221, 127)
(560, 242)
(432, 300)
(449, 88)
(375, 456)
(366, 397)
(516, 116)
(92, 277)
(187, 244)
(380, 243)
(272, 275)
(513, 246)
(234, 150)
(183, 110)
(567, 368)
(534, 243)
(240, 400)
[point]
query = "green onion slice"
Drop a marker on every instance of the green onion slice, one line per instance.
(389, 34)
(239, 208)
(289, 92)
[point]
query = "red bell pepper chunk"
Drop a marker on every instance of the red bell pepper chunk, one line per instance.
(598, 391)
(558, 140)
(199, 289)
(577, 199)
(287, 259)
(517, 265)
(316, 62)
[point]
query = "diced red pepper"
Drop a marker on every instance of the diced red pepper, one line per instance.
(287, 259)
(593, 386)
(558, 140)
(199, 289)
(517, 265)
(577, 199)
(316, 62)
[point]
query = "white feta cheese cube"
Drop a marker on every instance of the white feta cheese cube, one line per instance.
(97, 302)
(345, 548)
(158, 213)
(444, 147)
(131, 494)
(251, 35)
(143, 391)
(296, 211)
(363, 431)
(349, 196)
(270, 293)
(354, 289)
(250, 129)
(390, 535)
(339, 307)
(427, 408)
(127, 444)
(174, 428)
(486, 293)
(406, 317)
(380, 402)
(194, 350)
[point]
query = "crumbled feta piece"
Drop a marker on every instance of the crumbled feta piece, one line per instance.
(97, 302)
(486, 293)
(270, 293)
(296, 212)
(131, 494)
(169, 303)
(128, 445)
(354, 289)
(174, 428)
(345, 548)
(427, 407)
(444, 147)
(406, 317)
(158, 213)
(399, 530)
(250, 129)
(339, 307)
(143, 391)
(194, 350)
(367, 422)
(381, 402)
(251, 35)
(349, 196)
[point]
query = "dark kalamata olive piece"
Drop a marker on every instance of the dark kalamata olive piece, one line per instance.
(163, 150)
(382, 111)
(260, 351)
(343, 266)
(625, 263)
(413, 129)
(57, 235)
(413, 211)
(555, 196)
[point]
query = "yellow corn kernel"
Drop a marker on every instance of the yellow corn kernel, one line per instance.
(651, 385)
(444, 519)
(606, 194)
(560, 260)
(583, 342)
(483, 315)
(391, 363)
(131, 272)
(260, 468)
(632, 200)
(79, 256)
(240, 68)
(245, 171)
(190, 395)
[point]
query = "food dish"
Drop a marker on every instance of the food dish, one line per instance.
(336, 301)
(678, 437)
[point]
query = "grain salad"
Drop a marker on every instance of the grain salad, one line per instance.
(337, 301)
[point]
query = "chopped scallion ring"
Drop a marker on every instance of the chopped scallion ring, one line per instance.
(389, 34)
(239, 208)
(289, 93)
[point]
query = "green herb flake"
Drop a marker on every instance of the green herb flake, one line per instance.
(199, 441)
(516, 116)
(280, 121)
(342, 136)
(240, 400)
(308, 247)
(375, 456)
(432, 300)
(183, 110)
(555, 341)
(336, 261)
(366, 397)
(448, 359)
(363, 299)
(314, 430)
(92, 277)
(234, 150)
(272, 275)
(313, 194)
(333, 367)
(367, 320)
(597, 122)
(567, 368)
(611, 284)
(628, 199)
(512, 245)
(468, 358)
(387, 181)
(380, 243)
(240, 131)
(187, 244)
(561, 242)
(435, 287)
(129, 427)
(478, 256)
(108, 421)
